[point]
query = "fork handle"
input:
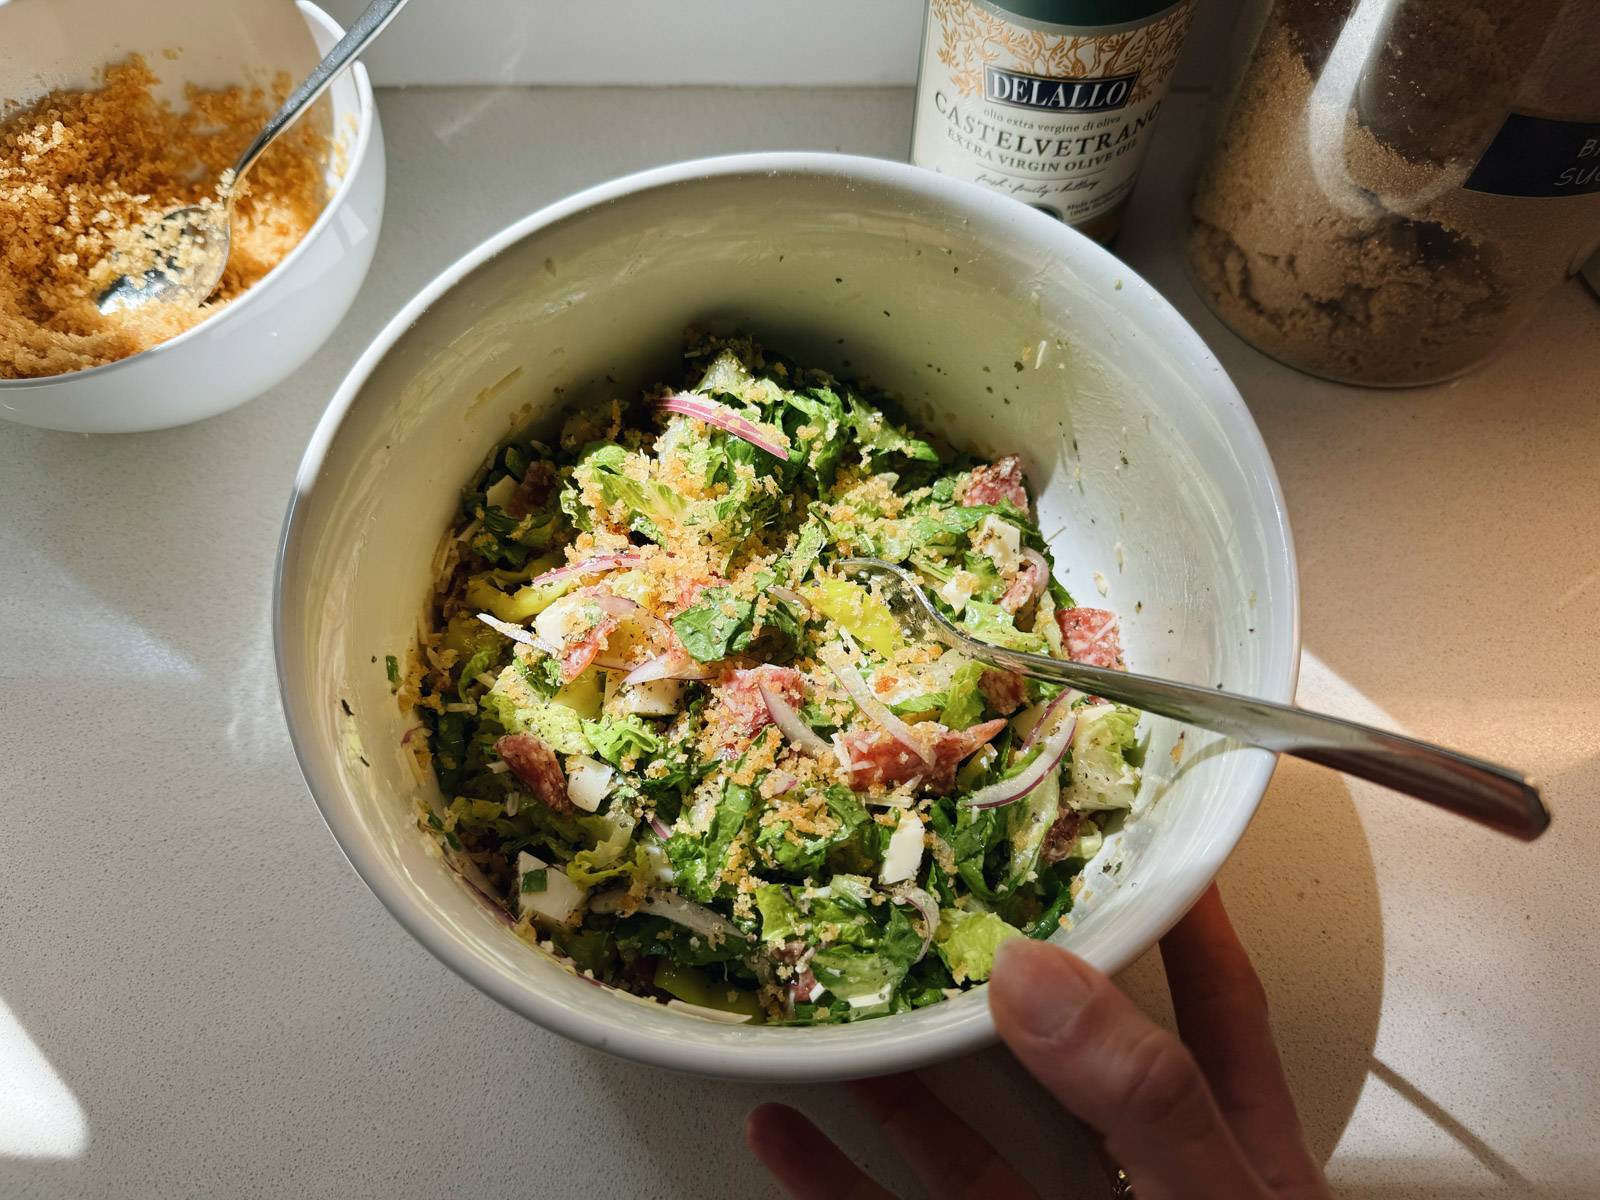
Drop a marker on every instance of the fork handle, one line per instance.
(1481, 791)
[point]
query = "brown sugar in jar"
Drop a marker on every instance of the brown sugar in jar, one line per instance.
(80, 169)
(1389, 200)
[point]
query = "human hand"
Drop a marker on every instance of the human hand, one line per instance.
(1208, 1116)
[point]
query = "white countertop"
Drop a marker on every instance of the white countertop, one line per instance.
(197, 994)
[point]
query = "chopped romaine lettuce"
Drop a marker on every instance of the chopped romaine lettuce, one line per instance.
(1102, 777)
(967, 942)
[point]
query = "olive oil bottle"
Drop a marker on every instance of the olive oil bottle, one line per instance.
(1049, 101)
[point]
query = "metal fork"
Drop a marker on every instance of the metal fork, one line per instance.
(1481, 791)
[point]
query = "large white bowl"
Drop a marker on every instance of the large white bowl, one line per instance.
(998, 326)
(270, 331)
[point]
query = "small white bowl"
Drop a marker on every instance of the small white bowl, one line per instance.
(269, 332)
(999, 327)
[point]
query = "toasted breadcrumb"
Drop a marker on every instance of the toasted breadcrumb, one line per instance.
(82, 170)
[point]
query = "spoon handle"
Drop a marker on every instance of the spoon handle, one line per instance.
(368, 25)
(1481, 791)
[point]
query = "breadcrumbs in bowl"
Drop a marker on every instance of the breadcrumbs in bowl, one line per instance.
(80, 169)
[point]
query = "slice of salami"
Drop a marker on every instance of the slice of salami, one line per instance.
(1091, 636)
(997, 481)
(533, 762)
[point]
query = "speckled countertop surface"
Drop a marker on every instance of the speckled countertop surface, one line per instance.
(198, 996)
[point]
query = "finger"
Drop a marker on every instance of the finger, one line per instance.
(1222, 1015)
(1118, 1073)
(947, 1154)
(801, 1158)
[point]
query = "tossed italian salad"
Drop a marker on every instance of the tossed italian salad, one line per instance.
(686, 755)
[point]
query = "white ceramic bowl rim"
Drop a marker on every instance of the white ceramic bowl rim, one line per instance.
(801, 1057)
(353, 160)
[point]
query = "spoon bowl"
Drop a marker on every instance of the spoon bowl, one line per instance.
(190, 245)
(189, 248)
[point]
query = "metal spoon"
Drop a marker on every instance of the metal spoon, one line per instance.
(198, 237)
(1481, 791)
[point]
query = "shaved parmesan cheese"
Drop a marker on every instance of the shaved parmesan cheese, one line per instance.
(499, 494)
(903, 858)
(588, 781)
(656, 698)
(566, 619)
(959, 588)
(559, 899)
(999, 541)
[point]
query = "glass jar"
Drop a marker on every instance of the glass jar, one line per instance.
(1397, 184)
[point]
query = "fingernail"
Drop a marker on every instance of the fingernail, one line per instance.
(1036, 986)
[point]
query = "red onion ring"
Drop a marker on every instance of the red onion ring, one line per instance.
(1049, 716)
(688, 404)
(658, 827)
(1052, 749)
(790, 723)
(617, 606)
(675, 664)
(601, 562)
(873, 708)
(926, 905)
(782, 781)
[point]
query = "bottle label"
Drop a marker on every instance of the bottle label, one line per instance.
(1537, 156)
(1058, 116)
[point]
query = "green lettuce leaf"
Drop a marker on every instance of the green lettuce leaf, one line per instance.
(697, 861)
(518, 708)
(1102, 776)
(617, 738)
(716, 626)
(967, 942)
(993, 624)
(780, 919)
(963, 704)
(878, 438)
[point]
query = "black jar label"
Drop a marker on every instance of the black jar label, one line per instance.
(1535, 156)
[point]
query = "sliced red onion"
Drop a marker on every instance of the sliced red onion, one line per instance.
(405, 738)
(1033, 556)
(688, 404)
(874, 709)
(1052, 748)
(658, 827)
(841, 751)
(1051, 714)
(651, 669)
(617, 606)
(675, 664)
(928, 907)
(589, 566)
(791, 724)
(696, 918)
(782, 781)
(515, 632)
